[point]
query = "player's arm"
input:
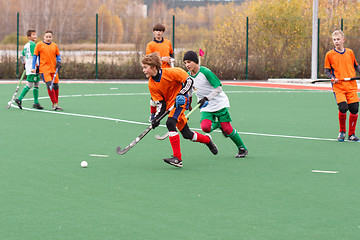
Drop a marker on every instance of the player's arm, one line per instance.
(215, 82)
(357, 68)
(33, 67)
(186, 87)
(58, 62)
(329, 74)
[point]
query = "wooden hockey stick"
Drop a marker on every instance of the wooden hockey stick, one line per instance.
(158, 137)
(329, 80)
(121, 151)
(17, 89)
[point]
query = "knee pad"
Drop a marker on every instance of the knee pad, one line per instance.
(343, 107)
(226, 128)
(354, 107)
(171, 124)
(206, 125)
(187, 133)
(56, 86)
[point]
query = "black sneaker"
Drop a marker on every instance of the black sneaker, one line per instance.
(213, 148)
(341, 136)
(242, 153)
(353, 138)
(37, 106)
(18, 102)
(57, 108)
(173, 161)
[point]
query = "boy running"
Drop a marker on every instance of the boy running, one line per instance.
(164, 48)
(340, 63)
(32, 79)
(213, 101)
(50, 60)
(168, 87)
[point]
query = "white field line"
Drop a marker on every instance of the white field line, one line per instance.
(97, 155)
(146, 123)
(320, 171)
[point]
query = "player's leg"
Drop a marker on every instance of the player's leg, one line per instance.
(47, 79)
(174, 138)
(343, 108)
(36, 93)
(353, 109)
(56, 90)
(25, 90)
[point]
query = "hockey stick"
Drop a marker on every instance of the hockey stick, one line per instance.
(52, 82)
(329, 80)
(158, 137)
(137, 139)
(17, 89)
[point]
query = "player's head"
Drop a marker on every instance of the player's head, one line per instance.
(158, 31)
(338, 38)
(31, 35)
(151, 63)
(191, 60)
(48, 36)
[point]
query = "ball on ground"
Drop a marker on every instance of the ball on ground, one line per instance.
(84, 164)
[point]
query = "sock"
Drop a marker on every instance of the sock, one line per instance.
(36, 95)
(352, 123)
(52, 96)
(235, 137)
(198, 137)
(56, 95)
(24, 92)
(342, 121)
(175, 144)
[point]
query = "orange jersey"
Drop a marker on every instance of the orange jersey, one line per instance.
(170, 84)
(342, 65)
(164, 48)
(47, 54)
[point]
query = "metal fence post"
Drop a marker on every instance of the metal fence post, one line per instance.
(247, 48)
(17, 45)
(97, 48)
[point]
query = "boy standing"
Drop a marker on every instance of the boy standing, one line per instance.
(213, 101)
(340, 63)
(168, 87)
(32, 79)
(50, 60)
(164, 48)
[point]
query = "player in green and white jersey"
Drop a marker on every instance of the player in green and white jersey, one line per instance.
(213, 101)
(32, 78)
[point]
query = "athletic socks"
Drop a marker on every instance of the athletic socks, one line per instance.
(175, 144)
(52, 96)
(198, 137)
(24, 92)
(56, 95)
(36, 95)
(342, 121)
(235, 137)
(352, 123)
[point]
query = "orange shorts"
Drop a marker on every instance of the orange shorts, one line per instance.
(178, 114)
(349, 97)
(48, 77)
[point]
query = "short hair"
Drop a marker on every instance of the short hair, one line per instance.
(152, 59)
(29, 32)
(338, 32)
(48, 31)
(159, 27)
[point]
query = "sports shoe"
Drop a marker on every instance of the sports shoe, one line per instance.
(18, 102)
(57, 108)
(353, 138)
(152, 116)
(341, 136)
(173, 161)
(37, 106)
(213, 148)
(242, 153)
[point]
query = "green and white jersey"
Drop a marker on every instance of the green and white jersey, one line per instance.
(205, 81)
(28, 53)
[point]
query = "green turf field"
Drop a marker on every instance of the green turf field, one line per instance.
(272, 194)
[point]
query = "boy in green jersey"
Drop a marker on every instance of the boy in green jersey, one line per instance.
(213, 101)
(32, 78)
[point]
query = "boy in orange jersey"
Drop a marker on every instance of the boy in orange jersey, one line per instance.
(168, 87)
(164, 48)
(50, 60)
(340, 63)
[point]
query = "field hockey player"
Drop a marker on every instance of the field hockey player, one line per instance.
(168, 87)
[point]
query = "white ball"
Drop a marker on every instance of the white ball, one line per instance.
(84, 164)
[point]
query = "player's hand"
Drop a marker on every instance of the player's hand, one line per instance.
(155, 122)
(33, 70)
(180, 100)
(334, 80)
(166, 59)
(203, 102)
(58, 65)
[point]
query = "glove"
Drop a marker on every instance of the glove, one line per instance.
(203, 102)
(58, 65)
(155, 122)
(180, 100)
